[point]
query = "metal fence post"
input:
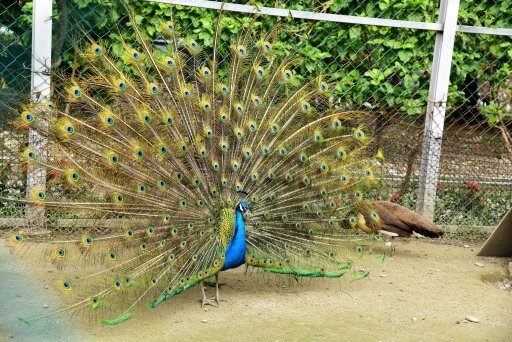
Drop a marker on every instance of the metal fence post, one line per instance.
(40, 91)
(436, 107)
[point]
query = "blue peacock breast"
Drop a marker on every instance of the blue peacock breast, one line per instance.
(235, 252)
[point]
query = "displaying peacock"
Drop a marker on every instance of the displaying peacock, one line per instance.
(189, 163)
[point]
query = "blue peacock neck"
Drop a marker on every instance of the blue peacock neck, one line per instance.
(235, 253)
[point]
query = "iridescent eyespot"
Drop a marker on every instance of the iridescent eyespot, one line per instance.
(143, 246)
(112, 256)
(28, 117)
(66, 285)
(167, 217)
(96, 49)
(118, 284)
(287, 74)
(266, 46)
(147, 119)
(186, 93)
(358, 134)
(241, 50)
(129, 233)
(323, 86)
(193, 44)
(265, 150)
(70, 129)
(153, 88)
(206, 72)
(150, 230)
(77, 92)
(141, 188)
(74, 176)
(121, 85)
(31, 155)
(341, 153)
(41, 195)
(260, 72)
(135, 55)
(18, 238)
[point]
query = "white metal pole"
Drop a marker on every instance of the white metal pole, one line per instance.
(436, 107)
(40, 92)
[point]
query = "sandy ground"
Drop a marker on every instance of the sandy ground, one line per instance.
(423, 293)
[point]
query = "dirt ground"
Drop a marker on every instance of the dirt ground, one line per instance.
(423, 293)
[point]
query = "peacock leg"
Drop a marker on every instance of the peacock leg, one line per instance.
(206, 301)
(217, 295)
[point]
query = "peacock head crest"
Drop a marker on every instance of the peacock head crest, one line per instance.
(243, 207)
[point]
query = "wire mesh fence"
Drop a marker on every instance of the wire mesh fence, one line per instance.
(383, 71)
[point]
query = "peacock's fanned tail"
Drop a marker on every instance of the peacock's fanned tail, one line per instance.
(166, 140)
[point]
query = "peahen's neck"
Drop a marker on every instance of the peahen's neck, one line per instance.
(235, 253)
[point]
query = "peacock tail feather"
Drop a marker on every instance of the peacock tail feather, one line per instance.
(166, 140)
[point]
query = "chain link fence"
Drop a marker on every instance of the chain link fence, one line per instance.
(383, 70)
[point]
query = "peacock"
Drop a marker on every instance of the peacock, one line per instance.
(183, 161)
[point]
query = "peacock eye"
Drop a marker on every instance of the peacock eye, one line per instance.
(70, 129)
(29, 117)
(75, 176)
(170, 63)
(135, 55)
(41, 195)
(110, 121)
(140, 153)
(66, 285)
(147, 119)
(77, 92)
(154, 89)
(122, 85)
(31, 155)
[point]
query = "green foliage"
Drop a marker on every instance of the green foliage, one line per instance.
(381, 67)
